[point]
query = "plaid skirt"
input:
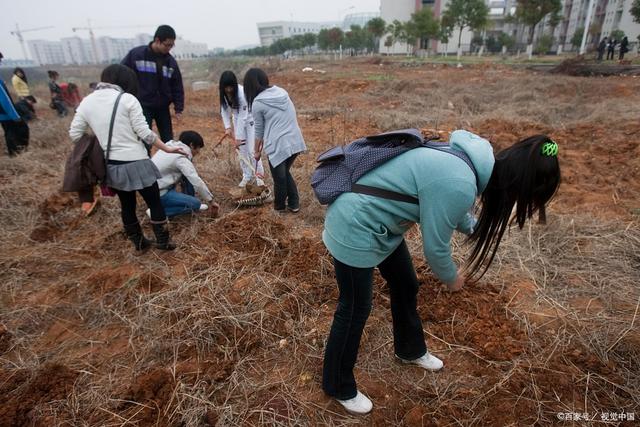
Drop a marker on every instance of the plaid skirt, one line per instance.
(131, 176)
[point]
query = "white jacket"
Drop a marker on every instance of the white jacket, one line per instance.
(95, 112)
(173, 166)
(241, 116)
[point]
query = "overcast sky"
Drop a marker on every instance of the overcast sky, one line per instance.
(218, 23)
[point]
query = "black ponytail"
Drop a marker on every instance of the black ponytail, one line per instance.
(228, 79)
(522, 176)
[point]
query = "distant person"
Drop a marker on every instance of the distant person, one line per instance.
(277, 131)
(159, 79)
(611, 48)
(26, 108)
(71, 95)
(602, 46)
(234, 110)
(16, 130)
(57, 101)
(624, 48)
(363, 232)
(178, 168)
(20, 83)
(129, 169)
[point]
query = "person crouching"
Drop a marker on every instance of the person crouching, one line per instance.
(178, 168)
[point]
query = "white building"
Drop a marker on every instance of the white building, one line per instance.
(46, 52)
(270, 32)
(606, 16)
(359, 19)
(401, 10)
(76, 51)
(185, 49)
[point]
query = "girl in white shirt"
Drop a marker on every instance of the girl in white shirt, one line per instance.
(233, 108)
(129, 168)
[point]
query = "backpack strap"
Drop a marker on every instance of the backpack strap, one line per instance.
(113, 119)
(385, 194)
(445, 147)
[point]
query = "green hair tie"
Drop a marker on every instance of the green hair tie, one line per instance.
(550, 148)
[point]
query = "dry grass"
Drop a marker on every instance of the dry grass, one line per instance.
(230, 329)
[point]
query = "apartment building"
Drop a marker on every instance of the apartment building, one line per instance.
(270, 32)
(77, 51)
(46, 52)
(401, 10)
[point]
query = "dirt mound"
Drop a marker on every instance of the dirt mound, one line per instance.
(579, 66)
(154, 391)
(25, 393)
(474, 318)
(51, 227)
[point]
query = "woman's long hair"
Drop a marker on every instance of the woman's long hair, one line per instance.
(122, 76)
(522, 176)
(228, 79)
(22, 75)
(255, 81)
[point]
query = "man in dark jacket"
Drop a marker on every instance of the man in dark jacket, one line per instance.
(159, 80)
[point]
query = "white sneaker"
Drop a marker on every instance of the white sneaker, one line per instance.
(359, 405)
(203, 207)
(148, 212)
(428, 362)
(259, 182)
(244, 182)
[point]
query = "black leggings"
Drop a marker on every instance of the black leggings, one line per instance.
(151, 196)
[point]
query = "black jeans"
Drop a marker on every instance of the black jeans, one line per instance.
(151, 196)
(86, 195)
(162, 116)
(354, 306)
(16, 136)
(60, 107)
(285, 192)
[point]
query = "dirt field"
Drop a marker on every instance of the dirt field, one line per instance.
(229, 329)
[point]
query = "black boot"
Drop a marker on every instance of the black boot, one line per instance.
(161, 230)
(134, 233)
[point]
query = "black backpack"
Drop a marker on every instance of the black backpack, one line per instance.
(341, 166)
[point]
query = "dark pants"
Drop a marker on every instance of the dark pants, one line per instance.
(600, 55)
(285, 192)
(86, 195)
(610, 53)
(60, 107)
(16, 136)
(162, 116)
(354, 306)
(151, 196)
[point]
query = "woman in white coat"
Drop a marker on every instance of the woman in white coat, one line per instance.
(113, 112)
(234, 109)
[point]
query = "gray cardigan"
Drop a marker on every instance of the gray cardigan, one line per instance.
(276, 124)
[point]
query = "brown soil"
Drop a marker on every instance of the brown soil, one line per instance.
(229, 329)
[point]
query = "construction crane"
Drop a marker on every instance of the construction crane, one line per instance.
(18, 33)
(90, 28)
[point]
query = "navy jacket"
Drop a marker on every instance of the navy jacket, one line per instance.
(153, 90)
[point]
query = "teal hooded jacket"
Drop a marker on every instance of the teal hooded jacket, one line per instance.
(362, 230)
